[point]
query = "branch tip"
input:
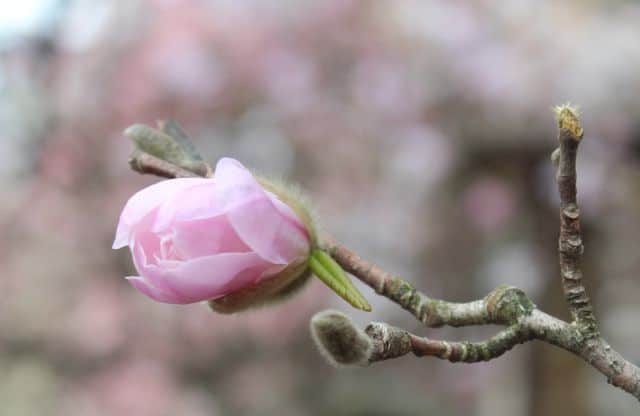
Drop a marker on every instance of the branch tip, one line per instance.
(567, 116)
(339, 340)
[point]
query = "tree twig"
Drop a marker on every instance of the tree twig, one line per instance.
(388, 342)
(570, 241)
(391, 342)
(431, 312)
(145, 163)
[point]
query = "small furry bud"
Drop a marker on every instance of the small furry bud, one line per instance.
(568, 119)
(339, 340)
(166, 147)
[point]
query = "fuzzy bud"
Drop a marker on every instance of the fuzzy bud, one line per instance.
(339, 340)
(169, 143)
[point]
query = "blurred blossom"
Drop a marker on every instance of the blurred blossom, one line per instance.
(384, 88)
(272, 326)
(289, 78)
(451, 25)
(204, 334)
(193, 72)
(262, 143)
(27, 387)
(514, 263)
(196, 403)
(253, 392)
(63, 161)
(85, 23)
(479, 71)
(134, 387)
(419, 157)
(100, 312)
(176, 61)
(489, 204)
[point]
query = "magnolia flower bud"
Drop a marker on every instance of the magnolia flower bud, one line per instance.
(227, 239)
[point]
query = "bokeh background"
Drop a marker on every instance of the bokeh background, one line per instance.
(421, 130)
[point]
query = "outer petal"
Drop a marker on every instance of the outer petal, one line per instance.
(188, 281)
(255, 217)
(214, 276)
(205, 278)
(286, 211)
(206, 237)
(193, 203)
(144, 201)
(292, 218)
(152, 291)
(144, 250)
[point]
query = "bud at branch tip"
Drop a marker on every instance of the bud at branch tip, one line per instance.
(339, 340)
(568, 119)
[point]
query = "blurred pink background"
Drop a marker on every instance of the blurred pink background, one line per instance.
(421, 130)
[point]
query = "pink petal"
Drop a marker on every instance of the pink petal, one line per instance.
(208, 277)
(193, 203)
(152, 281)
(152, 291)
(144, 201)
(235, 184)
(286, 210)
(267, 232)
(192, 280)
(206, 237)
(256, 218)
(144, 250)
(290, 215)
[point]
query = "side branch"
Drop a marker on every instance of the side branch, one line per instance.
(390, 342)
(145, 163)
(343, 343)
(570, 241)
(502, 306)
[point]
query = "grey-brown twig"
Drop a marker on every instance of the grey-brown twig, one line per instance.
(496, 308)
(570, 242)
(148, 164)
(388, 342)
(401, 341)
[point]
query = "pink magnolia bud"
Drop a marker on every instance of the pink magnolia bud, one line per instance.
(225, 238)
